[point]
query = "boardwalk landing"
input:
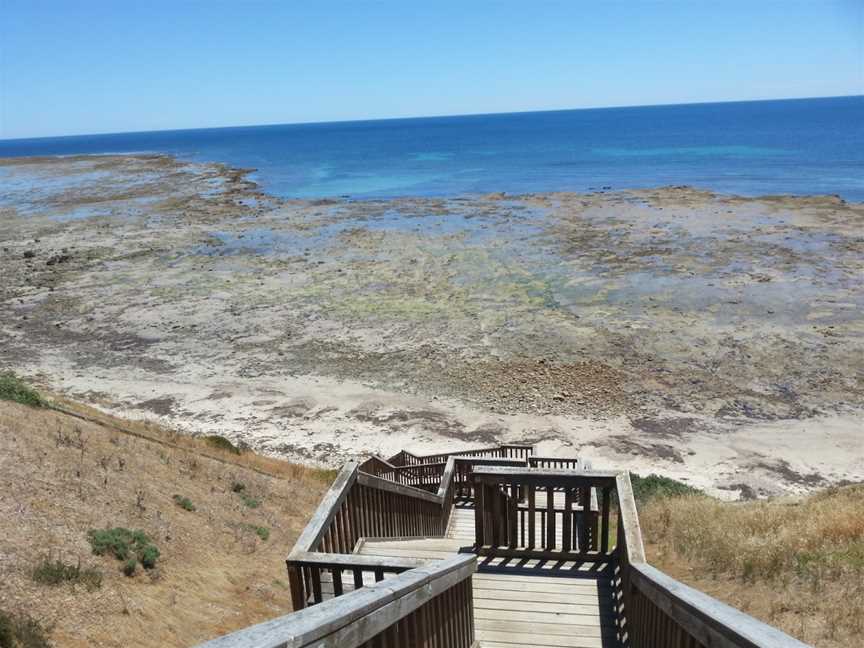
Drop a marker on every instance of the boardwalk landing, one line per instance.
(521, 603)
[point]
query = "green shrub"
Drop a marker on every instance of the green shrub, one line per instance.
(14, 389)
(123, 544)
(657, 486)
(22, 632)
(130, 566)
(149, 555)
(184, 502)
(222, 443)
(250, 501)
(55, 572)
(261, 531)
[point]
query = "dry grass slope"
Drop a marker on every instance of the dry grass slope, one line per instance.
(796, 564)
(221, 565)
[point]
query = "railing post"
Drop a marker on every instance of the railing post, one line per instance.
(479, 513)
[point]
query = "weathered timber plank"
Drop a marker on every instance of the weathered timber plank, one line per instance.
(553, 579)
(585, 597)
(537, 639)
(577, 586)
(560, 629)
(545, 618)
(561, 608)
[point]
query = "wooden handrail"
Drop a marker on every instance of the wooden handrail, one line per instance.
(511, 450)
(396, 611)
(447, 478)
(376, 465)
(654, 609)
(628, 521)
(327, 509)
(569, 463)
(709, 621)
(394, 487)
(353, 560)
(550, 477)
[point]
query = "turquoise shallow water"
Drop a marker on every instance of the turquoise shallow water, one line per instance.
(804, 146)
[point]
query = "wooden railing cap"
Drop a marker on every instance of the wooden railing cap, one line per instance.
(327, 508)
(302, 628)
(550, 473)
(506, 461)
(394, 487)
(347, 561)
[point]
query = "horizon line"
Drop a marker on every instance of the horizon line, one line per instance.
(419, 117)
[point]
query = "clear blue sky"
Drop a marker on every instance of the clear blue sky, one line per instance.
(74, 66)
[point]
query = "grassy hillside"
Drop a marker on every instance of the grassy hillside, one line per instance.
(202, 531)
(191, 536)
(796, 564)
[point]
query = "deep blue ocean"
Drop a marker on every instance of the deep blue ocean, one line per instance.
(802, 146)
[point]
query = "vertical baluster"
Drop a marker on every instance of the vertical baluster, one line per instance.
(496, 515)
(604, 526)
(566, 529)
(337, 580)
(479, 515)
(586, 513)
(316, 584)
(295, 581)
(512, 515)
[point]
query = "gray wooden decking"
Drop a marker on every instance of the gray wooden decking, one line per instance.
(522, 603)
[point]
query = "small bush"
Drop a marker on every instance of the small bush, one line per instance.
(250, 501)
(123, 544)
(184, 502)
(130, 566)
(55, 572)
(14, 389)
(261, 532)
(222, 443)
(149, 555)
(657, 486)
(22, 632)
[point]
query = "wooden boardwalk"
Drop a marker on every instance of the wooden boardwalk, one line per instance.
(521, 603)
(387, 560)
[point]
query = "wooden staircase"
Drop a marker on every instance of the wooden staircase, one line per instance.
(492, 547)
